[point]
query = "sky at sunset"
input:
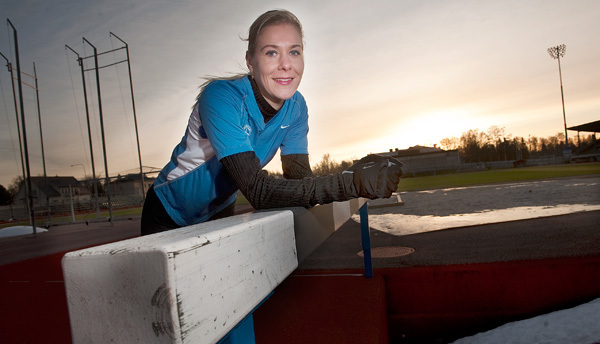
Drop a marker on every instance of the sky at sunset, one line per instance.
(378, 74)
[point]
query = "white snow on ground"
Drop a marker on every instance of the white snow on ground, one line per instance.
(578, 325)
(19, 230)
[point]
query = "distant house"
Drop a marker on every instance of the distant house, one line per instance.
(425, 160)
(57, 190)
(129, 185)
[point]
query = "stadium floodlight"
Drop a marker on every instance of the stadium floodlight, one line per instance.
(556, 53)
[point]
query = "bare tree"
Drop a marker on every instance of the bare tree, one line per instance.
(450, 143)
(5, 196)
(14, 186)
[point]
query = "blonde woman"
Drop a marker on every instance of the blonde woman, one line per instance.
(237, 126)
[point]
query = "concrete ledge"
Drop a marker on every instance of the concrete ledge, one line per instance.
(190, 285)
(392, 201)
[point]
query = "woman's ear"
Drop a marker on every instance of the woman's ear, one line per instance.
(249, 62)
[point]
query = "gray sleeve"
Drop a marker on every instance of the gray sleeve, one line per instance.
(264, 191)
(296, 166)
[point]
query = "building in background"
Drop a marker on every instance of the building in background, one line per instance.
(56, 190)
(591, 151)
(130, 185)
(420, 160)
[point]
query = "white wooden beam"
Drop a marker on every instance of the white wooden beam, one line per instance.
(190, 285)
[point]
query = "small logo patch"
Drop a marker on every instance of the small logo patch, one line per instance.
(247, 129)
(368, 165)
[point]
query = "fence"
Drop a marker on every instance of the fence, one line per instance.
(68, 208)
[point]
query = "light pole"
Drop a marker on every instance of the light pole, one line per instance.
(107, 179)
(24, 130)
(12, 78)
(556, 53)
(89, 130)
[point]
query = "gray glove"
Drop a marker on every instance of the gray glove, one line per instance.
(374, 176)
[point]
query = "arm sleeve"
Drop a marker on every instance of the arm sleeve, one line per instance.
(296, 166)
(264, 191)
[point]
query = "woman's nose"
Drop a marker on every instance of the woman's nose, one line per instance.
(285, 63)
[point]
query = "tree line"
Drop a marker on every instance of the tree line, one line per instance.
(496, 145)
(475, 145)
(324, 167)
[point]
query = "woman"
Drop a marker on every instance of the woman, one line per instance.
(236, 127)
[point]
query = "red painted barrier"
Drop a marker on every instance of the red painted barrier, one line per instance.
(423, 303)
(452, 301)
(324, 309)
(33, 303)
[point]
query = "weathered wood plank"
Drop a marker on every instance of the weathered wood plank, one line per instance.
(188, 285)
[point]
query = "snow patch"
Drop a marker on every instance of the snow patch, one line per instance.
(19, 230)
(577, 325)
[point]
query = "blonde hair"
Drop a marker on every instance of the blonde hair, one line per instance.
(269, 18)
(209, 79)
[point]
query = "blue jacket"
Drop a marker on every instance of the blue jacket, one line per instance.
(226, 120)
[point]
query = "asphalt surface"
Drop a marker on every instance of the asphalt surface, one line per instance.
(459, 207)
(66, 237)
(569, 235)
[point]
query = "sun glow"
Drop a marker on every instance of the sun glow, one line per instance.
(429, 128)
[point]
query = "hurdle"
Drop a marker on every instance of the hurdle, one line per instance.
(197, 284)
(190, 285)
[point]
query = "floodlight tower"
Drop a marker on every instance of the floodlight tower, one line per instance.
(556, 53)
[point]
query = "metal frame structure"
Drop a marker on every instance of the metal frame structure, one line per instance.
(96, 68)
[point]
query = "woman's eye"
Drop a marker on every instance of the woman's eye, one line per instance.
(271, 53)
(295, 52)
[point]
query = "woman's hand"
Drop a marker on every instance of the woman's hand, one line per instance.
(374, 176)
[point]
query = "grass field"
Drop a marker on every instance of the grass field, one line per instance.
(497, 176)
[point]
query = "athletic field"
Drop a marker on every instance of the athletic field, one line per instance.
(497, 176)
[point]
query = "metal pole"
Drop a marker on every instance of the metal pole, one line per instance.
(107, 180)
(556, 53)
(137, 136)
(26, 151)
(366, 239)
(37, 97)
(71, 201)
(87, 115)
(562, 97)
(12, 83)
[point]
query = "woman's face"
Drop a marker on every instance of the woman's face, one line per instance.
(278, 63)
